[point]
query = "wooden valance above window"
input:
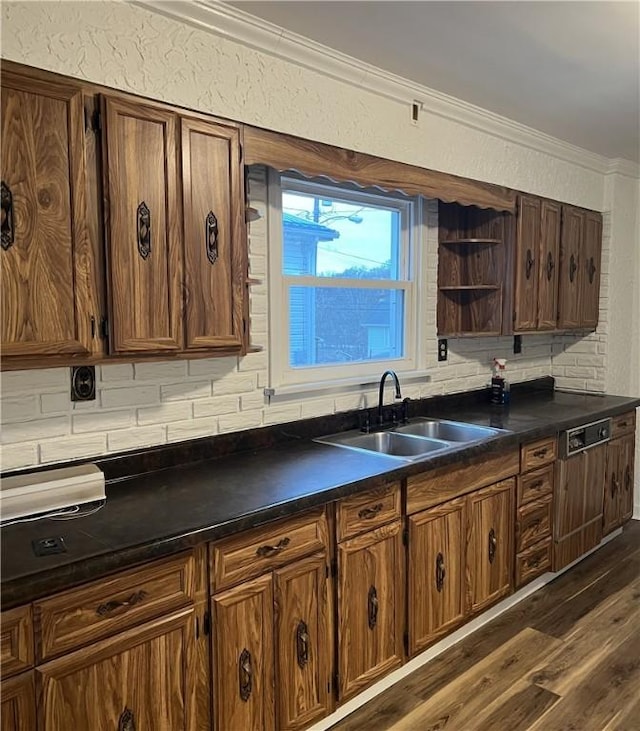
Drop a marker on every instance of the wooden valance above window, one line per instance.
(315, 159)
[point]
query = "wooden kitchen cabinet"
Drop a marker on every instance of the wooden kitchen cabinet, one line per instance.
(618, 489)
(18, 704)
(489, 549)
(436, 567)
(370, 607)
(48, 270)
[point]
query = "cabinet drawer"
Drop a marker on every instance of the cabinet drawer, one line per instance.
(533, 562)
(533, 523)
(535, 485)
(537, 454)
(367, 510)
(623, 424)
(83, 615)
(253, 553)
(16, 635)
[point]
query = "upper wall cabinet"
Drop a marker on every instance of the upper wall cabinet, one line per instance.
(48, 277)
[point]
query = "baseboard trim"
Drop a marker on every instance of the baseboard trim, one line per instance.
(449, 641)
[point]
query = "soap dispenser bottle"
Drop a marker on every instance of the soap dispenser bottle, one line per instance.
(500, 391)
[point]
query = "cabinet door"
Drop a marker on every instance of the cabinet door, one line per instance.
(595, 468)
(143, 228)
(436, 572)
(548, 269)
(613, 486)
(214, 235)
(18, 706)
(571, 238)
(590, 273)
(142, 678)
(302, 643)
(569, 495)
(46, 260)
(527, 255)
(370, 607)
(243, 657)
(489, 556)
(627, 459)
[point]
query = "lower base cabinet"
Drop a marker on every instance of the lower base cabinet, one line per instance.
(618, 488)
(370, 607)
(18, 706)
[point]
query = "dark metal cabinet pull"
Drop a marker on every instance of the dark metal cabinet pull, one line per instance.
(144, 230)
(302, 644)
(591, 269)
(372, 607)
(368, 513)
(529, 264)
(245, 675)
(573, 266)
(127, 722)
(550, 265)
(268, 551)
(614, 484)
(104, 609)
(440, 572)
(211, 237)
(536, 485)
(7, 228)
(540, 452)
(493, 543)
(627, 478)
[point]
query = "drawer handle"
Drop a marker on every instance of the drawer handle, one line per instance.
(268, 551)
(493, 544)
(144, 230)
(622, 424)
(536, 485)
(105, 609)
(534, 524)
(540, 452)
(534, 564)
(302, 644)
(245, 675)
(127, 722)
(372, 607)
(8, 230)
(368, 513)
(440, 572)
(211, 237)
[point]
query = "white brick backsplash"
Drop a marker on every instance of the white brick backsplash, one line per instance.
(317, 407)
(37, 381)
(61, 450)
(134, 396)
(191, 429)
(253, 362)
(19, 408)
(55, 403)
(213, 367)
(216, 406)
(251, 401)
(28, 431)
(238, 422)
(14, 456)
(142, 436)
(282, 414)
(164, 413)
(101, 421)
(187, 390)
(235, 383)
(116, 372)
(160, 371)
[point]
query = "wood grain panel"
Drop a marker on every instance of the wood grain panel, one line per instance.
(370, 607)
(284, 152)
(549, 265)
(533, 562)
(535, 485)
(213, 184)
(435, 572)
(16, 641)
(595, 469)
(243, 672)
(569, 495)
(18, 705)
(537, 454)
(527, 263)
(444, 483)
(47, 290)
(83, 615)
(302, 646)
(147, 671)
(568, 549)
(202, 667)
(571, 264)
(590, 274)
(255, 552)
(489, 547)
(367, 510)
(623, 424)
(140, 168)
(533, 522)
(627, 477)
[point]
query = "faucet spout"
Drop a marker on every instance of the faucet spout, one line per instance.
(381, 393)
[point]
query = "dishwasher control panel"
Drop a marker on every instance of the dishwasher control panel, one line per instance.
(588, 435)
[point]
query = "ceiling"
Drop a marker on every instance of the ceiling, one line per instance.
(570, 69)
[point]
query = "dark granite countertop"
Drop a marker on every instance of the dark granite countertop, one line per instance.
(159, 513)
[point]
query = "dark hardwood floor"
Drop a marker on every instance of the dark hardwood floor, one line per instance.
(566, 658)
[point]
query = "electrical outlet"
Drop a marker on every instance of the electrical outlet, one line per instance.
(83, 383)
(443, 349)
(49, 546)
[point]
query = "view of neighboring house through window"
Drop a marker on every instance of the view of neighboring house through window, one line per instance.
(345, 281)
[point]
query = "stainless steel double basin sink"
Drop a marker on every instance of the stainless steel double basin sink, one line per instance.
(416, 440)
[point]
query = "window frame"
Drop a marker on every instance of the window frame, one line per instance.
(283, 377)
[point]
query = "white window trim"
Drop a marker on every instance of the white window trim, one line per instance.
(326, 377)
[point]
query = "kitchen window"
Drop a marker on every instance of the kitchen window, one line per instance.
(344, 283)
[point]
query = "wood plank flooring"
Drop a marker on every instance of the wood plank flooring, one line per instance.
(566, 658)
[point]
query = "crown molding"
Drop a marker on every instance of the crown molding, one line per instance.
(620, 166)
(235, 25)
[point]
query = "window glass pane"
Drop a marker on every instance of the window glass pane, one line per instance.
(344, 325)
(329, 237)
